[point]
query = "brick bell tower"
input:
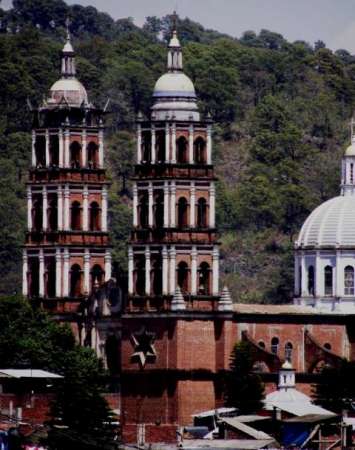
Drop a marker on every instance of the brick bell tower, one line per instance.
(173, 263)
(66, 252)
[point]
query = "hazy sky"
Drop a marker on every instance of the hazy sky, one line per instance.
(332, 21)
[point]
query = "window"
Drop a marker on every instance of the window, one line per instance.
(327, 346)
(274, 345)
(160, 146)
(94, 222)
(143, 209)
(92, 150)
(75, 155)
(40, 150)
(202, 213)
(33, 277)
(261, 344)
(53, 215)
(97, 276)
(349, 280)
(204, 279)
(159, 210)
(37, 214)
(75, 281)
(288, 351)
(146, 146)
(182, 212)
(75, 216)
(54, 149)
(139, 274)
(311, 280)
(328, 280)
(157, 281)
(351, 173)
(50, 278)
(181, 145)
(182, 276)
(200, 151)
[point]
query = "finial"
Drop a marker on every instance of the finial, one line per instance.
(352, 127)
(178, 301)
(67, 23)
(225, 302)
(174, 18)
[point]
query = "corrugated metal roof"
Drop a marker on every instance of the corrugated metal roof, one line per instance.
(246, 429)
(251, 418)
(214, 412)
(235, 444)
(27, 373)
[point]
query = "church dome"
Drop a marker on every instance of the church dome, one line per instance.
(332, 224)
(70, 90)
(174, 84)
(350, 151)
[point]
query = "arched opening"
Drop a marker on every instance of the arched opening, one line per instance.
(143, 209)
(53, 214)
(200, 151)
(37, 214)
(349, 280)
(156, 276)
(40, 150)
(202, 213)
(75, 216)
(182, 212)
(139, 275)
(92, 155)
(328, 280)
(54, 149)
(275, 345)
(97, 276)
(159, 209)
(351, 173)
(327, 346)
(50, 278)
(75, 281)
(112, 351)
(75, 155)
(33, 277)
(288, 351)
(311, 280)
(94, 216)
(183, 276)
(181, 146)
(261, 344)
(146, 146)
(160, 146)
(204, 279)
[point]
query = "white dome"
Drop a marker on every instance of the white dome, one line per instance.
(174, 84)
(332, 224)
(350, 151)
(70, 89)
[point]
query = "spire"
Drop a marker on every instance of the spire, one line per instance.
(225, 303)
(178, 302)
(174, 48)
(348, 165)
(352, 130)
(68, 56)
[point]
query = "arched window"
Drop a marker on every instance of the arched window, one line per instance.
(75, 154)
(97, 276)
(94, 222)
(75, 281)
(204, 279)
(202, 213)
(200, 151)
(183, 276)
(181, 146)
(328, 280)
(92, 155)
(160, 146)
(139, 274)
(288, 351)
(143, 209)
(261, 344)
(182, 212)
(53, 214)
(159, 210)
(75, 216)
(157, 281)
(349, 280)
(33, 277)
(40, 150)
(146, 146)
(311, 280)
(50, 278)
(274, 345)
(37, 214)
(327, 346)
(54, 149)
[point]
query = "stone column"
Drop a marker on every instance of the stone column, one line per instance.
(297, 276)
(304, 291)
(173, 205)
(194, 271)
(29, 208)
(165, 270)
(318, 285)
(84, 152)
(66, 207)
(101, 148)
(130, 270)
(58, 273)
(66, 259)
(191, 144)
(173, 143)
(47, 149)
(192, 205)
(108, 269)
(41, 273)
(166, 204)
(209, 144)
(167, 143)
(339, 284)
(212, 209)
(172, 274)
(34, 158)
(24, 274)
(135, 205)
(85, 208)
(66, 148)
(139, 143)
(87, 259)
(154, 155)
(150, 205)
(45, 207)
(215, 271)
(61, 148)
(104, 209)
(147, 270)
(60, 208)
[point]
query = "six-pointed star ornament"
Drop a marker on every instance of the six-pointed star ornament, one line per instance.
(143, 343)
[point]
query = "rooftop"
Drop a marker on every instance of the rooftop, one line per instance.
(27, 373)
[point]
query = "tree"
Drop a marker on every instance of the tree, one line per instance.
(245, 390)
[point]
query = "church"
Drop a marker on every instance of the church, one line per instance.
(169, 334)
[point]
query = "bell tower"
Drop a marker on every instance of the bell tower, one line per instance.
(67, 251)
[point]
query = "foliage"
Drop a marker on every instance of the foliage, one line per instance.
(244, 389)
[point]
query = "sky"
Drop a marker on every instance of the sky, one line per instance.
(332, 21)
